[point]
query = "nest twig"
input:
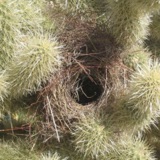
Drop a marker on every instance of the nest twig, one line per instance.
(91, 56)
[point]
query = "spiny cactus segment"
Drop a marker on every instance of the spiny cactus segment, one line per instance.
(7, 33)
(33, 64)
(140, 107)
(130, 21)
(93, 139)
(132, 149)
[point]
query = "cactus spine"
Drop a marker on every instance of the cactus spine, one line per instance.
(7, 33)
(140, 108)
(33, 65)
(132, 149)
(130, 21)
(93, 139)
(3, 86)
(29, 15)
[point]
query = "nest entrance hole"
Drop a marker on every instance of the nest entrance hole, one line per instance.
(88, 90)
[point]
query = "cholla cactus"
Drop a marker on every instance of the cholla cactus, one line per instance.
(149, 5)
(135, 57)
(94, 139)
(4, 86)
(155, 27)
(29, 14)
(17, 151)
(33, 64)
(145, 88)
(145, 93)
(154, 38)
(50, 156)
(140, 108)
(7, 32)
(132, 149)
(130, 20)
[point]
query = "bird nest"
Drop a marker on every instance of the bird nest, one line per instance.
(91, 76)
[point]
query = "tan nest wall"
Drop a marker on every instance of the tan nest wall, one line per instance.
(89, 82)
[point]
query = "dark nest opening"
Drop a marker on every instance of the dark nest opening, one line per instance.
(87, 90)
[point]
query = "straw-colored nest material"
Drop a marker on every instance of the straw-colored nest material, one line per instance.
(81, 36)
(61, 106)
(80, 88)
(76, 33)
(80, 32)
(93, 71)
